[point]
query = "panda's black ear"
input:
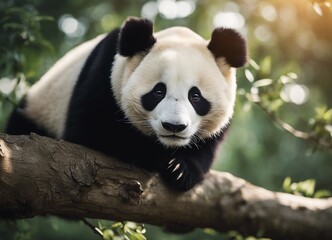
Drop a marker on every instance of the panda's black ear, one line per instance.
(136, 35)
(229, 44)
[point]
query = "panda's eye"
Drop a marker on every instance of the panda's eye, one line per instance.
(201, 105)
(159, 91)
(158, 94)
(195, 97)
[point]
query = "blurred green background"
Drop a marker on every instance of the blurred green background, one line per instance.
(283, 37)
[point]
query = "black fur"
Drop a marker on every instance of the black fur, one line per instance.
(18, 123)
(95, 120)
(136, 36)
(228, 43)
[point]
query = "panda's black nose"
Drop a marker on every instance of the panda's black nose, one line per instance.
(175, 128)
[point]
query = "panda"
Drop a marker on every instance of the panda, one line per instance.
(161, 101)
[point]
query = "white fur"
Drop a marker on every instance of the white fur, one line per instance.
(180, 59)
(48, 99)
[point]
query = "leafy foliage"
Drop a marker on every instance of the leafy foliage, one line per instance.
(321, 125)
(21, 28)
(123, 231)
(21, 40)
(304, 188)
(269, 95)
(234, 235)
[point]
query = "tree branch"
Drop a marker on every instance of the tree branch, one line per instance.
(40, 176)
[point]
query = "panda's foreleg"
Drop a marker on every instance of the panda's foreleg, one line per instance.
(188, 167)
(19, 124)
(181, 174)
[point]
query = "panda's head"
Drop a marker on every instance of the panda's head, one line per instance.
(175, 85)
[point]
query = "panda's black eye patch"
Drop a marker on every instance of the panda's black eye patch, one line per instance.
(151, 99)
(200, 104)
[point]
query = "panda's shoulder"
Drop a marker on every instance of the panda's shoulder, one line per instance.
(107, 46)
(98, 63)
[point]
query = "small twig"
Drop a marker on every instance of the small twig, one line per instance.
(297, 133)
(94, 228)
(290, 129)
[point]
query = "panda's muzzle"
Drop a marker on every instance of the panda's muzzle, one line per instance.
(173, 134)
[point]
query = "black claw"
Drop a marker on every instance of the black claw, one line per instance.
(180, 175)
(170, 162)
(177, 166)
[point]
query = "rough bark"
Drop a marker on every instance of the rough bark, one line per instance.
(40, 176)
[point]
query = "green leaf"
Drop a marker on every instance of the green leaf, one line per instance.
(108, 234)
(275, 105)
(320, 111)
(263, 82)
(13, 26)
(286, 184)
(43, 18)
(249, 75)
(322, 194)
(100, 226)
(16, 10)
(136, 236)
(329, 129)
(140, 229)
(265, 65)
(117, 225)
(328, 115)
(292, 75)
(286, 79)
(210, 231)
(254, 64)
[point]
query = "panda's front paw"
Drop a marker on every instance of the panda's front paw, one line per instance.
(181, 175)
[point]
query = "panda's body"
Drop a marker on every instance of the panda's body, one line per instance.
(160, 101)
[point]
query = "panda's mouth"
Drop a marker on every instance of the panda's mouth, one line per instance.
(173, 140)
(173, 136)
